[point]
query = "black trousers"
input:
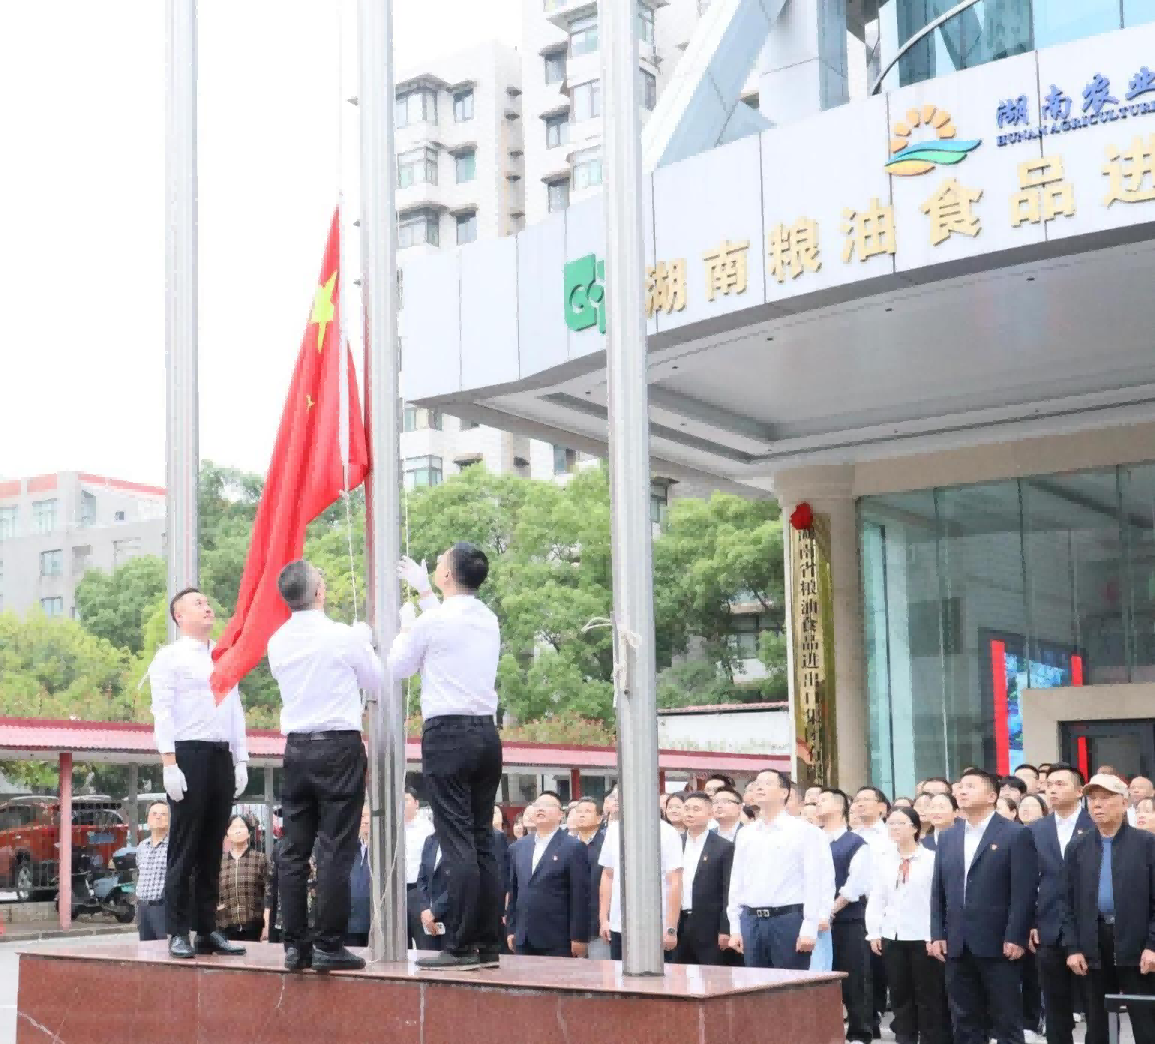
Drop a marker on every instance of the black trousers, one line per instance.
(697, 944)
(418, 940)
(150, 921)
(1060, 991)
(878, 986)
(196, 835)
(1032, 993)
(356, 939)
(321, 798)
(615, 946)
(986, 999)
(529, 950)
(461, 765)
(1111, 978)
(244, 932)
(917, 993)
(852, 955)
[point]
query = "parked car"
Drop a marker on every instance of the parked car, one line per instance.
(30, 839)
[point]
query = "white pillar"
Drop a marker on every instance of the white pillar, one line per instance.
(804, 63)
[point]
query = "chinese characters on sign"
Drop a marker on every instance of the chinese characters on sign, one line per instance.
(666, 287)
(1056, 113)
(870, 233)
(813, 653)
(1131, 173)
(793, 250)
(1043, 194)
(726, 269)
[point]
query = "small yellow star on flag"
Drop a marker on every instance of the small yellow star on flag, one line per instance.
(309, 403)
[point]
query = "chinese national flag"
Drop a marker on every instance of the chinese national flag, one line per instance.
(305, 477)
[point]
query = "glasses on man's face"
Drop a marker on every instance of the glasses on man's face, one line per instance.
(726, 801)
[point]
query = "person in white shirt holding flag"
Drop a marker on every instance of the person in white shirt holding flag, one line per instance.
(320, 666)
(456, 644)
(205, 757)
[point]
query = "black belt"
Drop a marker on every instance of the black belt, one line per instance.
(304, 737)
(460, 719)
(773, 911)
(202, 745)
(150, 902)
(412, 886)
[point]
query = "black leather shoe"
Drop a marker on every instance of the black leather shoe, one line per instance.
(298, 958)
(488, 958)
(338, 960)
(215, 942)
(179, 946)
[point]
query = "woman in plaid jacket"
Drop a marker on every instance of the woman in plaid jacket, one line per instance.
(244, 874)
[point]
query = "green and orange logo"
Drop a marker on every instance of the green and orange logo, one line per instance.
(910, 158)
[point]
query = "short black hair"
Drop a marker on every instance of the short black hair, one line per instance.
(878, 794)
(784, 780)
(843, 799)
(1014, 782)
(700, 795)
(1062, 766)
(911, 814)
(1044, 766)
(936, 779)
(468, 565)
(991, 781)
(751, 811)
(295, 582)
(153, 804)
(722, 777)
(1025, 765)
(178, 596)
(553, 794)
(413, 794)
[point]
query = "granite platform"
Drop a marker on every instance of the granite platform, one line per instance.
(129, 992)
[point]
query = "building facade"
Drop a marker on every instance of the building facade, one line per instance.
(53, 528)
(914, 310)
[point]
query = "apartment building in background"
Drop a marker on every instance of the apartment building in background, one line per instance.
(53, 528)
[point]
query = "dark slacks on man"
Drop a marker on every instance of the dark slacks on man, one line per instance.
(852, 955)
(770, 938)
(1108, 977)
(151, 920)
(462, 763)
(196, 836)
(322, 796)
(982, 989)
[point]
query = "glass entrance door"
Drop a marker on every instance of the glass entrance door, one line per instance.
(1126, 746)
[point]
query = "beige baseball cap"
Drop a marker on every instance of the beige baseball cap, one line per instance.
(1112, 784)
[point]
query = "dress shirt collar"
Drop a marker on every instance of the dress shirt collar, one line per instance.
(1063, 822)
(199, 644)
(782, 821)
(698, 841)
(979, 828)
(835, 834)
(542, 839)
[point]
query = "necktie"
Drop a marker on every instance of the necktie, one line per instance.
(904, 871)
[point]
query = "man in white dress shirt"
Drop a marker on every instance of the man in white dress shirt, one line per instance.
(202, 745)
(870, 809)
(456, 644)
(417, 829)
(320, 667)
(781, 882)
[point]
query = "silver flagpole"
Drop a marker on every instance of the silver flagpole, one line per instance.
(629, 443)
(382, 521)
(181, 447)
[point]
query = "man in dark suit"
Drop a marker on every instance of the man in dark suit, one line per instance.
(1110, 910)
(982, 905)
(433, 892)
(1053, 835)
(548, 914)
(704, 928)
(360, 889)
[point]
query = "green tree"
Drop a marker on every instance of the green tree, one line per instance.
(115, 606)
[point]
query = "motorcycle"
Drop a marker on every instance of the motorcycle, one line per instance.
(98, 889)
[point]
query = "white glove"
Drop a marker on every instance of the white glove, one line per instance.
(174, 782)
(416, 576)
(408, 615)
(240, 778)
(364, 632)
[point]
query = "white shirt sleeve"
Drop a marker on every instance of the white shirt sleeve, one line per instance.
(672, 858)
(239, 744)
(877, 903)
(818, 881)
(428, 601)
(363, 658)
(738, 874)
(858, 877)
(162, 682)
(608, 857)
(407, 653)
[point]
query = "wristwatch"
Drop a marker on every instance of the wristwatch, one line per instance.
(671, 931)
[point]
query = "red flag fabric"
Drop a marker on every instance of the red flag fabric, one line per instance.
(305, 477)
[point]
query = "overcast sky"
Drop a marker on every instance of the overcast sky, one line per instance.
(82, 89)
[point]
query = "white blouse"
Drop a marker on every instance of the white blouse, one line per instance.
(900, 909)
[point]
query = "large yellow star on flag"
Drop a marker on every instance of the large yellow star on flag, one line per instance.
(323, 309)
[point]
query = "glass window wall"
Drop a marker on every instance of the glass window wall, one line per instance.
(973, 593)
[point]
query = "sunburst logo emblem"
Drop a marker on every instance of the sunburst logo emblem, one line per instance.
(910, 158)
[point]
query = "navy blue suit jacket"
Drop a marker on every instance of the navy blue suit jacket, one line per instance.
(549, 907)
(999, 906)
(432, 883)
(1051, 908)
